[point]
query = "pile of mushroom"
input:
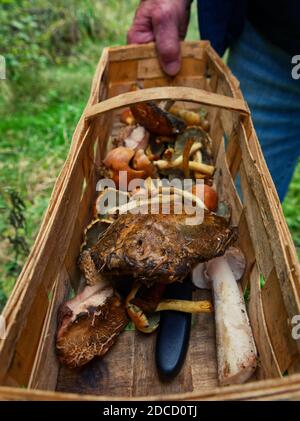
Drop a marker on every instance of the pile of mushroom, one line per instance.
(157, 142)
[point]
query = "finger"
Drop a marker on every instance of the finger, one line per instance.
(138, 36)
(141, 30)
(166, 34)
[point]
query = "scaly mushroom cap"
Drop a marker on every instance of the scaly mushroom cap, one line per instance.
(89, 324)
(159, 248)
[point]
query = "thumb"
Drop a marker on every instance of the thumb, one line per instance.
(166, 34)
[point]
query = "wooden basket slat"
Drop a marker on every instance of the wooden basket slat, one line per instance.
(177, 93)
(32, 312)
(278, 311)
(25, 351)
(286, 388)
(271, 218)
(95, 377)
(48, 257)
(118, 88)
(150, 69)
(144, 348)
(217, 66)
(291, 258)
(84, 215)
(139, 52)
(276, 318)
(268, 364)
(267, 182)
(233, 154)
(45, 368)
(245, 243)
(258, 232)
(225, 186)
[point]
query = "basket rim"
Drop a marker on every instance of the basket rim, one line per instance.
(270, 389)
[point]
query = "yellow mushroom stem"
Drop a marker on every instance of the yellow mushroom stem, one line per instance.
(198, 158)
(193, 166)
(178, 161)
(203, 168)
(185, 306)
(149, 323)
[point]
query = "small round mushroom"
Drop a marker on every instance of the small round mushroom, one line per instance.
(118, 160)
(142, 163)
(236, 351)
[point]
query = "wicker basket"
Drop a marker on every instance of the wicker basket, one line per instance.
(29, 368)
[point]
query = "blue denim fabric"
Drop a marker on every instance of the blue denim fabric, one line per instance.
(264, 72)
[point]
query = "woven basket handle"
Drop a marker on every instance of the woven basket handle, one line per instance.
(177, 93)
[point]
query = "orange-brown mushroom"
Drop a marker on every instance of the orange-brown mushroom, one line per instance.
(156, 120)
(126, 117)
(141, 162)
(117, 160)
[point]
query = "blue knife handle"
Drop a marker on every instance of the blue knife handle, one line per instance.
(174, 333)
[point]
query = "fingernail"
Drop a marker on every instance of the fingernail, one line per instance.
(172, 68)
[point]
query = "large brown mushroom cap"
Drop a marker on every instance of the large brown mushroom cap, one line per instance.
(159, 248)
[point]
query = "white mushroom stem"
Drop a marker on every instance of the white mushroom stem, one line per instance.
(178, 161)
(168, 196)
(236, 351)
(169, 191)
(198, 158)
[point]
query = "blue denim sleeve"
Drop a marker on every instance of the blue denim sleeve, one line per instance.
(221, 21)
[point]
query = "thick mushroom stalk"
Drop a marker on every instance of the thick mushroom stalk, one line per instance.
(236, 351)
(185, 306)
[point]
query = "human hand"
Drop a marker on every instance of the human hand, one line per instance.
(165, 22)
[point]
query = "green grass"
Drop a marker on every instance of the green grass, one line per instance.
(36, 133)
(291, 208)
